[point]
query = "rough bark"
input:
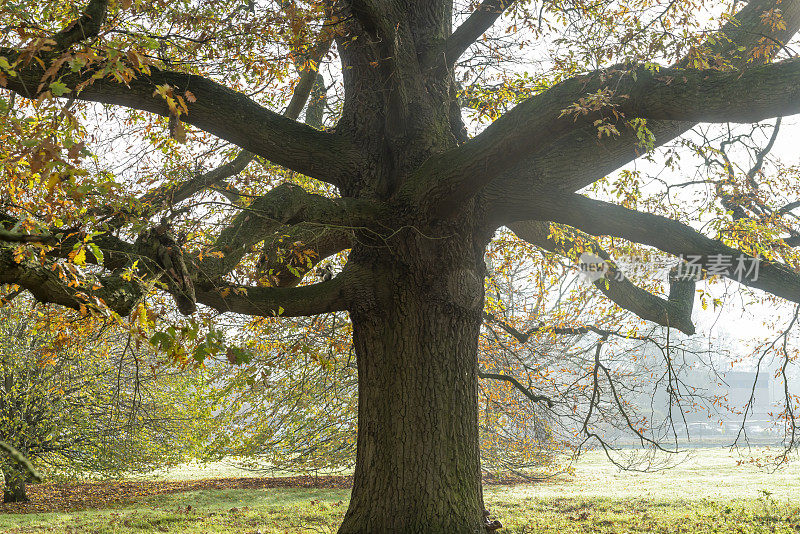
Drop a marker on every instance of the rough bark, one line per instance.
(415, 332)
(416, 308)
(671, 94)
(85, 27)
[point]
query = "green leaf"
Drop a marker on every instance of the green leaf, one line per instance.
(200, 353)
(161, 340)
(240, 355)
(59, 88)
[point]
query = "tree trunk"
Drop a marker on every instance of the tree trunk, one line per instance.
(417, 461)
(14, 490)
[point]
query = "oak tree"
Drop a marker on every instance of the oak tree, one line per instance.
(382, 166)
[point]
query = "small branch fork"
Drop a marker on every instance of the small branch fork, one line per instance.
(514, 382)
(523, 337)
(619, 403)
(790, 428)
(484, 16)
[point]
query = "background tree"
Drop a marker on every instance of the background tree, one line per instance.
(293, 407)
(78, 402)
(391, 174)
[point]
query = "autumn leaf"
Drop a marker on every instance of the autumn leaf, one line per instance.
(52, 182)
(75, 150)
(80, 257)
(176, 129)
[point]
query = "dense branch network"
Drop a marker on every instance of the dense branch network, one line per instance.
(218, 110)
(44, 277)
(510, 167)
(574, 160)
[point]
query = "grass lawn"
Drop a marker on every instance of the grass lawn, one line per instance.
(706, 493)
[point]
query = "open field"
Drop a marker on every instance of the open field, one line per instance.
(708, 492)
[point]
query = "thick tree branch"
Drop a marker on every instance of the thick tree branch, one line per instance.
(317, 100)
(46, 285)
(602, 218)
(170, 194)
(471, 29)
(16, 237)
(122, 295)
(675, 311)
(218, 110)
(579, 158)
(85, 27)
(313, 299)
(748, 95)
(116, 251)
(287, 204)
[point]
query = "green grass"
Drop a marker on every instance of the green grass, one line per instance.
(706, 493)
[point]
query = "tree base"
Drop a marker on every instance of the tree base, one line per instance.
(15, 496)
(14, 490)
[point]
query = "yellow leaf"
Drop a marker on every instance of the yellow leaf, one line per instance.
(52, 182)
(133, 57)
(80, 257)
